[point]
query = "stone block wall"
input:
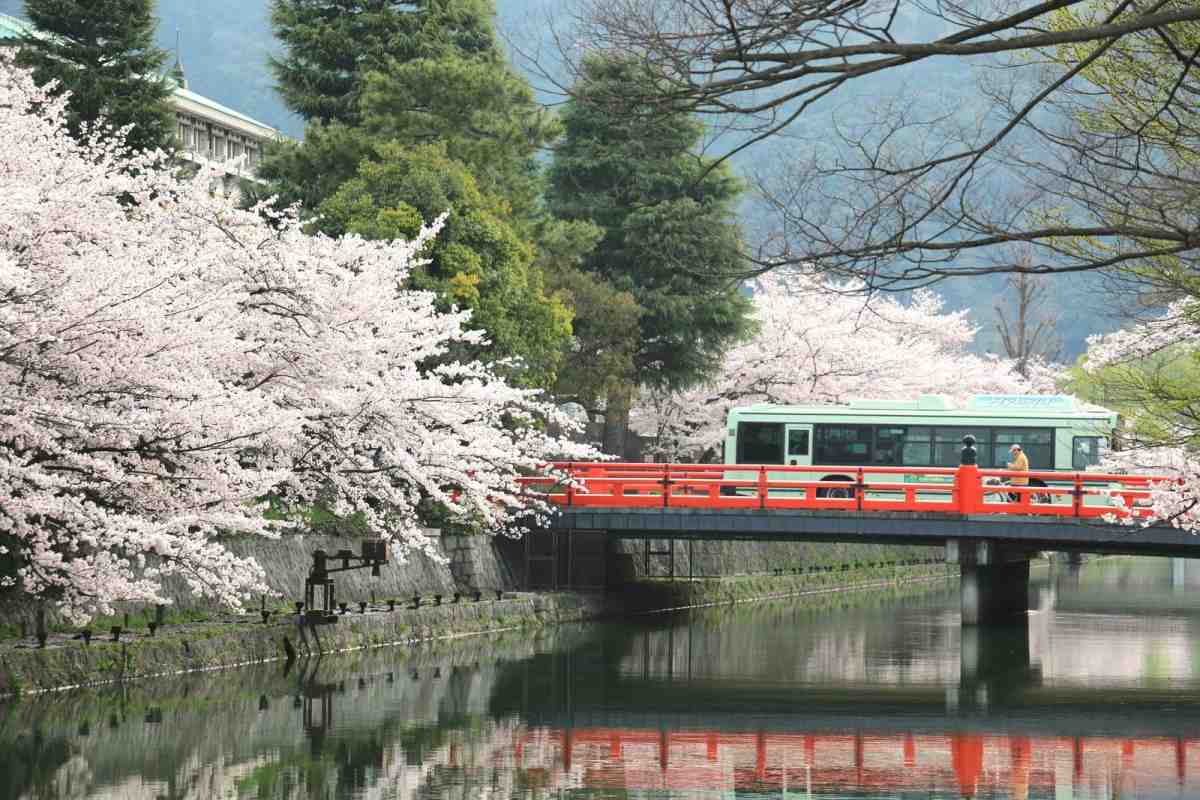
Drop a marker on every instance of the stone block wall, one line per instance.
(593, 560)
(468, 563)
(720, 559)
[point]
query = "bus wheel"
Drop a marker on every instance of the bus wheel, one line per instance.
(837, 492)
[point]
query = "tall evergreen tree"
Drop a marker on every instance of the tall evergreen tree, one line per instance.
(415, 72)
(414, 111)
(477, 262)
(452, 83)
(329, 45)
(103, 53)
(670, 236)
(332, 45)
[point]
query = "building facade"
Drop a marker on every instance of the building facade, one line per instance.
(208, 132)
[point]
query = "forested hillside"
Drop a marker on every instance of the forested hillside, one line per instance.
(225, 43)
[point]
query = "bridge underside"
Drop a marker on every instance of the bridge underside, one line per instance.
(894, 528)
(993, 551)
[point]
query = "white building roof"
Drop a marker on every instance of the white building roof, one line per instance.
(183, 100)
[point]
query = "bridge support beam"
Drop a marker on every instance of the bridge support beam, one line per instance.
(994, 583)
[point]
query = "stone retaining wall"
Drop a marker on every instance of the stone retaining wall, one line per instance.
(470, 562)
(68, 661)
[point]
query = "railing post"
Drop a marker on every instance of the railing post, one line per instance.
(1077, 496)
(968, 489)
(762, 487)
(570, 483)
(666, 485)
(860, 488)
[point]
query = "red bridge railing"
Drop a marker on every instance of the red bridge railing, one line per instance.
(961, 490)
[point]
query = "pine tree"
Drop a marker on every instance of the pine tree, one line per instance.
(103, 53)
(670, 234)
(452, 83)
(372, 71)
(332, 45)
(414, 111)
(477, 262)
(329, 45)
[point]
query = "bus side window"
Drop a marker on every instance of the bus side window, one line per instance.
(917, 448)
(846, 445)
(889, 443)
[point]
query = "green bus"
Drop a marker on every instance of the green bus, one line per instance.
(1056, 432)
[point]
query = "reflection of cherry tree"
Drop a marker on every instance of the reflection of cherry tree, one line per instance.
(822, 344)
(1152, 365)
(168, 360)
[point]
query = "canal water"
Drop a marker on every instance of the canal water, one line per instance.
(874, 695)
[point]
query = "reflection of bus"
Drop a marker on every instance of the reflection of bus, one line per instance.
(1056, 433)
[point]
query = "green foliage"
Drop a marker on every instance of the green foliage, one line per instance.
(308, 172)
(670, 238)
(411, 72)
(415, 112)
(1153, 394)
(605, 321)
(478, 261)
(331, 45)
(475, 105)
(103, 52)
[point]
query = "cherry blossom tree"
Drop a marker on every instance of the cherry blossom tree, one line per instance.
(820, 343)
(1150, 369)
(168, 362)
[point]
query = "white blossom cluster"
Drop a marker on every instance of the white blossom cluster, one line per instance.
(1175, 500)
(818, 343)
(1177, 326)
(167, 361)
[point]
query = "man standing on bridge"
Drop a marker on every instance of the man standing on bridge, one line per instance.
(1019, 463)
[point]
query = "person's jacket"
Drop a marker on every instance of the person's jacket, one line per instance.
(1019, 464)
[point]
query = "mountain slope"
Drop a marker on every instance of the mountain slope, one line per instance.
(224, 45)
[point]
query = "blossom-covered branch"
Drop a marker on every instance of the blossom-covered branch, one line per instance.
(1150, 369)
(821, 344)
(168, 360)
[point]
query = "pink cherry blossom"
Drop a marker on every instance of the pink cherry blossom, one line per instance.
(824, 344)
(168, 360)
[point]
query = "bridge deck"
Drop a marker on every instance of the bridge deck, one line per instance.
(898, 528)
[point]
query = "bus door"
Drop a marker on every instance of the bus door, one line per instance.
(799, 446)
(797, 452)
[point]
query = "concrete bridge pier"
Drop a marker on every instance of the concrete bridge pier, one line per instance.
(995, 581)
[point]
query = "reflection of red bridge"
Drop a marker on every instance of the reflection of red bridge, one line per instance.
(967, 764)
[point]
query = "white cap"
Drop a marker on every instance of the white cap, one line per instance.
(1015, 447)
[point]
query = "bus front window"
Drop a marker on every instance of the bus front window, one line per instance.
(760, 443)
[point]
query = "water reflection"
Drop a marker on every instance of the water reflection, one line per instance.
(873, 696)
(829, 765)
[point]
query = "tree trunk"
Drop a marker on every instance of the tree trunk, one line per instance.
(616, 420)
